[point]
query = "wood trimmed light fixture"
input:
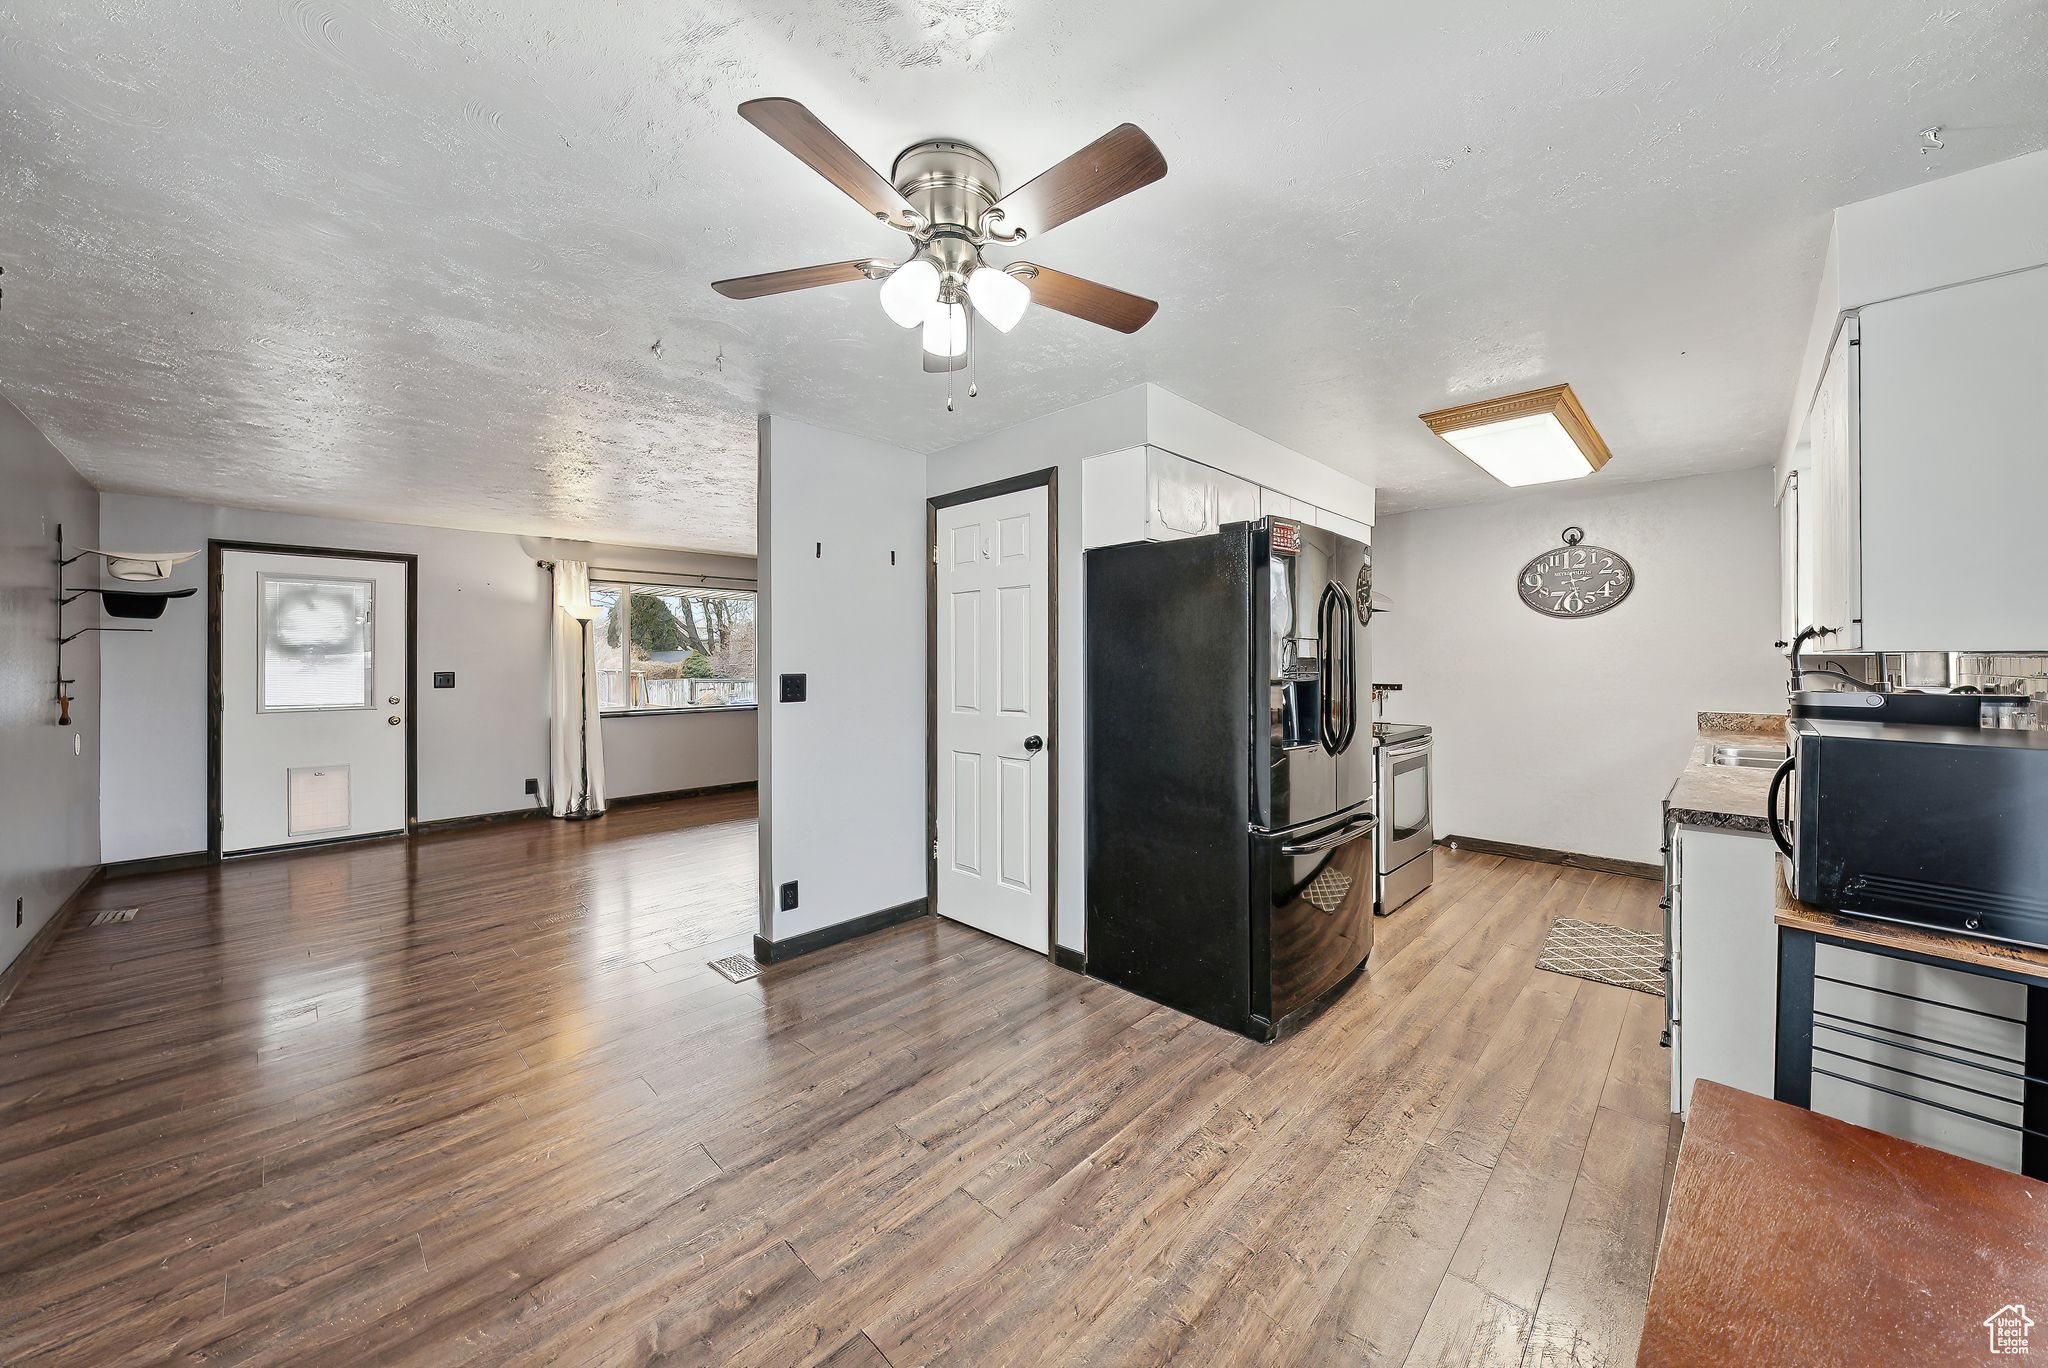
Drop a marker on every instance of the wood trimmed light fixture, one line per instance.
(1524, 439)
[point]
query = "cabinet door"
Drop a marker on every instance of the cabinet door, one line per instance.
(1273, 504)
(1795, 561)
(1188, 499)
(1236, 500)
(1727, 960)
(1954, 469)
(1836, 508)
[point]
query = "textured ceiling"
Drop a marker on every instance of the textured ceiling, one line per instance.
(412, 260)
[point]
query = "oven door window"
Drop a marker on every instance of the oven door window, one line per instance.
(1410, 804)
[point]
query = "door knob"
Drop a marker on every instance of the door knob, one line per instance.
(1034, 744)
(394, 719)
(393, 700)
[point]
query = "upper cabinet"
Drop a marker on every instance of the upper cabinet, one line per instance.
(1835, 472)
(1925, 472)
(1150, 494)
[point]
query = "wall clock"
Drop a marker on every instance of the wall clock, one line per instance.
(1575, 580)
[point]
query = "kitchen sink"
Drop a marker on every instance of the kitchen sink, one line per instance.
(1750, 757)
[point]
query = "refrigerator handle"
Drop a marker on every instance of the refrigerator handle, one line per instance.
(1326, 674)
(1350, 668)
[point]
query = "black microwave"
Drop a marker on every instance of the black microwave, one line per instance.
(1934, 826)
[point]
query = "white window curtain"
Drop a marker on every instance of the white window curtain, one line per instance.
(575, 743)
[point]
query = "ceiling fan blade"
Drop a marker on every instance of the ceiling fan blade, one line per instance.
(1118, 162)
(802, 278)
(819, 148)
(1084, 299)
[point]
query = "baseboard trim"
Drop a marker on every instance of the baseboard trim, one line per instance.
(1599, 864)
(669, 795)
(1066, 957)
(776, 952)
(46, 935)
(519, 814)
(155, 864)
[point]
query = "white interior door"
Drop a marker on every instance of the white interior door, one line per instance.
(994, 704)
(314, 686)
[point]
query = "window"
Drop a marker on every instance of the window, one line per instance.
(317, 640)
(662, 648)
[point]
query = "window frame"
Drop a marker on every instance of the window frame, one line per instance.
(264, 578)
(628, 588)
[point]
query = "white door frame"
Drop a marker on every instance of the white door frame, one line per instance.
(215, 570)
(1049, 478)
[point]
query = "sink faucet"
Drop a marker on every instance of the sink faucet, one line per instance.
(1800, 672)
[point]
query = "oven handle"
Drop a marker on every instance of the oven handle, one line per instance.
(1778, 830)
(1335, 838)
(1407, 748)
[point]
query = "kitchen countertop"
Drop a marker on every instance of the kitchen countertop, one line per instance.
(1793, 1239)
(1730, 797)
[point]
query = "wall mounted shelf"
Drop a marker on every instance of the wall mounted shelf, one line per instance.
(118, 602)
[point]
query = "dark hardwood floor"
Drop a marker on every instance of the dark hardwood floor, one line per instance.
(479, 1099)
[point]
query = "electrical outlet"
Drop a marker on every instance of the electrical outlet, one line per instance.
(533, 787)
(789, 896)
(77, 744)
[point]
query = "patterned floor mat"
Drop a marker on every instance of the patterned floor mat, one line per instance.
(1605, 954)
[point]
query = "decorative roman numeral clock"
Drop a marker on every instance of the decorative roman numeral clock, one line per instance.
(1575, 580)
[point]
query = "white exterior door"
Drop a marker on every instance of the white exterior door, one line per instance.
(314, 686)
(993, 707)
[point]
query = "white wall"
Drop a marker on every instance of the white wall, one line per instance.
(1141, 415)
(49, 791)
(1567, 734)
(842, 774)
(483, 610)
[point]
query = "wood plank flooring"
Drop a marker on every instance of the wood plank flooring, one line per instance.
(478, 1099)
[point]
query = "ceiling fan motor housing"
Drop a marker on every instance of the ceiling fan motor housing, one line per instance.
(953, 184)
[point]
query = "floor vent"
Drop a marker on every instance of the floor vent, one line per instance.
(114, 914)
(738, 968)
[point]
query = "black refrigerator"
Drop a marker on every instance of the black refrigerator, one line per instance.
(1230, 777)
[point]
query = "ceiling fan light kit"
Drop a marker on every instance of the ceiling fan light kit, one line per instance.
(946, 197)
(1532, 438)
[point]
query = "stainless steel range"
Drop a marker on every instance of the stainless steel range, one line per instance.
(1405, 844)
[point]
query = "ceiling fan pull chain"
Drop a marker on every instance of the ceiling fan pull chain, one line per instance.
(973, 370)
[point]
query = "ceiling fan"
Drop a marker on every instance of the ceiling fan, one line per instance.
(945, 195)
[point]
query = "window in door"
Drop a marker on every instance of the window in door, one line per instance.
(317, 640)
(663, 648)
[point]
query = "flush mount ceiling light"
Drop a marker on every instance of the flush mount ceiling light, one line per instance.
(946, 197)
(1524, 439)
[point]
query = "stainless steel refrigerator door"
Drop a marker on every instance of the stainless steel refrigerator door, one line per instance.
(1354, 771)
(1318, 895)
(1318, 740)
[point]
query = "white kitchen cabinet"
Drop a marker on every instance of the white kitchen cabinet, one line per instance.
(1795, 561)
(1724, 960)
(1274, 504)
(1834, 544)
(1149, 494)
(1920, 528)
(1955, 468)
